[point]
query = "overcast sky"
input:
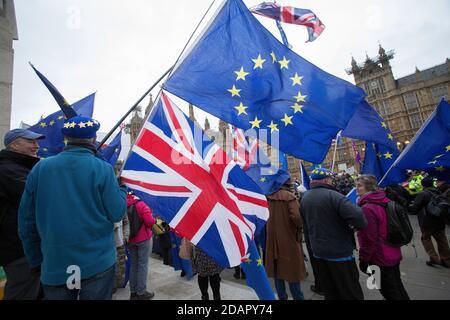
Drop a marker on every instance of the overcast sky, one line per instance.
(119, 48)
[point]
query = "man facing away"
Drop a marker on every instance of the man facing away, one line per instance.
(66, 218)
(331, 220)
(16, 162)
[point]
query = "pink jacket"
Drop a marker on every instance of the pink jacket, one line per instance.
(372, 239)
(145, 213)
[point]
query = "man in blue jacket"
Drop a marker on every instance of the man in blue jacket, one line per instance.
(331, 220)
(66, 218)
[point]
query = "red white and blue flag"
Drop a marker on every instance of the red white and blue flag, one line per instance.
(287, 14)
(194, 186)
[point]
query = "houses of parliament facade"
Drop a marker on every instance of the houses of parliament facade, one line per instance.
(404, 103)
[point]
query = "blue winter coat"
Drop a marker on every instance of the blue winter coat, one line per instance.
(67, 214)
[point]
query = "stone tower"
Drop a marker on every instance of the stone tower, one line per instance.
(135, 125)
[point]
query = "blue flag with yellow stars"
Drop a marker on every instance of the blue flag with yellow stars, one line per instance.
(430, 148)
(112, 151)
(256, 275)
(239, 72)
(378, 160)
(51, 126)
(68, 110)
(366, 124)
(268, 176)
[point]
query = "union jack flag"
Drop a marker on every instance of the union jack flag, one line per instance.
(194, 186)
(303, 17)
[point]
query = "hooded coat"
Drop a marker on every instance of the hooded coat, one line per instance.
(372, 240)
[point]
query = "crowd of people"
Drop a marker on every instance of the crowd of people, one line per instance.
(70, 211)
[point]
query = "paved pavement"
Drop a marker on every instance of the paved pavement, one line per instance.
(421, 281)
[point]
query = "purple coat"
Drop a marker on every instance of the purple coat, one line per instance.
(372, 240)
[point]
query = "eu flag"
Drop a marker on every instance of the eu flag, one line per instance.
(430, 149)
(239, 72)
(268, 176)
(51, 126)
(256, 275)
(378, 160)
(366, 124)
(111, 151)
(68, 111)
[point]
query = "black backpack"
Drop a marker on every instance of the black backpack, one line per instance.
(399, 229)
(134, 220)
(438, 206)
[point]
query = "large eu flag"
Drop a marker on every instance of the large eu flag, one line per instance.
(239, 72)
(430, 149)
(51, 126)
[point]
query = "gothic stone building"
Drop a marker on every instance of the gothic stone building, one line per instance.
(405, 103)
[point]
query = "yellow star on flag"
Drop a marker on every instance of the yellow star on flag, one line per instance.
(390, 137)
(82, 125)
(383, 124)
(284, 64)
(271, 171)
(241, 109)
(447, 148)
(72, 125)
(440, 169)
(90, 124)
(60, 117)
(258, 62)
(262, 179)
(300, 98)
(255, 123)
(259, 262)
(388, 155)
(296, 79)
(273, 126)
(234, 91)
(43, 124)
(241, 74)
(287, 120)
(67, 125)
(274, 57)
(51, 123)
(297, 108)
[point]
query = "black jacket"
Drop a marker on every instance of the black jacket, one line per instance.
(419, 207)
(331, 220)
(14, 169)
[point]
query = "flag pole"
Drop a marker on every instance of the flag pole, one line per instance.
(335, 149)
(132, 108)
(158, 81)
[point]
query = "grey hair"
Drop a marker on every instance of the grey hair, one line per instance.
(78, 140)
(369, 181)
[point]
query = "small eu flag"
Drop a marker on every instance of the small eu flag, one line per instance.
(430, 148)
(51, 126)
